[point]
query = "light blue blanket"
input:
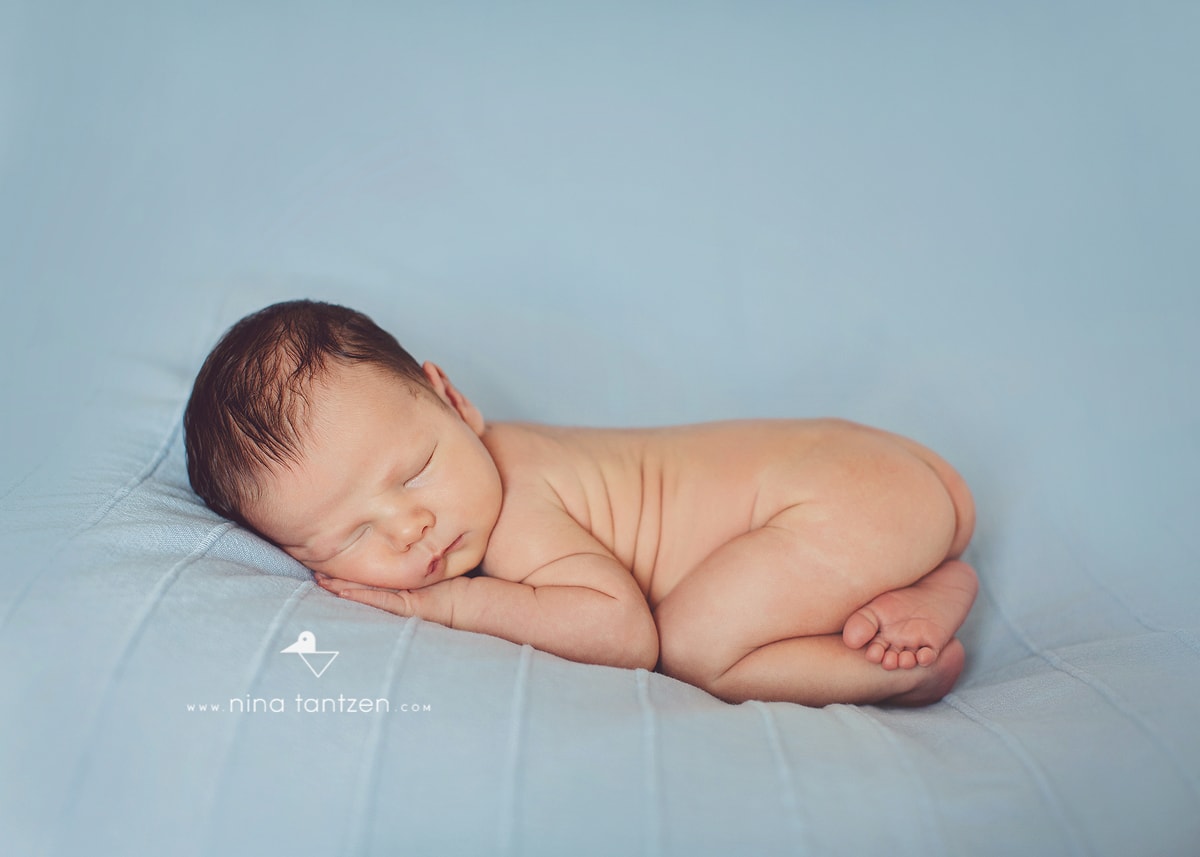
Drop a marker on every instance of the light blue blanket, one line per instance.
(973, 226)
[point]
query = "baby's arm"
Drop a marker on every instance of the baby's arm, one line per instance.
(552, 585)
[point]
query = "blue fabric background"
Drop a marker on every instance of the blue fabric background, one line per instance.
(975, 225)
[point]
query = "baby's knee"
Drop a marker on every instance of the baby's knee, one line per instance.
(687, 649)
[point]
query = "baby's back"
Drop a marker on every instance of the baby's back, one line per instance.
(662, 499)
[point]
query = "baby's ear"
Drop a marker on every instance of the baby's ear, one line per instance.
(449, 394)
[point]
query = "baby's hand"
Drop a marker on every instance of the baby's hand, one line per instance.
(430, 602)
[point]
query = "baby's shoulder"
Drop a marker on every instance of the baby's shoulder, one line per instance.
(537, 465)
(526, 453)
(535, 526)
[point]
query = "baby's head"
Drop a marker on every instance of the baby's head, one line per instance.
(251, 399)
(304, 424)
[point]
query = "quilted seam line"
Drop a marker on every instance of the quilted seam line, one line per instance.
(367, 794)
(788, 795)
(206, 544)
(654, 833)
(269, 646)
(509, 803)
(115, 499)
(1026, 760)
(1113, 698)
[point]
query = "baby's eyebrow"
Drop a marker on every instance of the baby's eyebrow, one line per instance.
(295, 549)
(306, 554)
(308, 542)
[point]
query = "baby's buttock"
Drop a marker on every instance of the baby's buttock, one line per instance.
(724, 480)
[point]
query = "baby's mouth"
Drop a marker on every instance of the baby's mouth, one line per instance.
(438, 563)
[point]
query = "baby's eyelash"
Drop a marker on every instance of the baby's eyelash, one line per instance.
(357, 536)
(424, 466)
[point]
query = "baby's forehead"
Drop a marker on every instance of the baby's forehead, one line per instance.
(337, 410)
(334, 374)
(357, 391)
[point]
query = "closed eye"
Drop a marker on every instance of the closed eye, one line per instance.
(424, 467)
(355, 539)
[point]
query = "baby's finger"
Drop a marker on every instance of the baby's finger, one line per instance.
(337, 586)
(384, 599)
(331, 585)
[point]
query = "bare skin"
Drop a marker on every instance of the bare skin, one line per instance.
(814, 561)
(910, 626)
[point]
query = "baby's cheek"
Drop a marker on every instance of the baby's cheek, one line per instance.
(351, 572)
(470, 558)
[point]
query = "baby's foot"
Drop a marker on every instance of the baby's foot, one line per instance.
(908, 627)
(935, 682)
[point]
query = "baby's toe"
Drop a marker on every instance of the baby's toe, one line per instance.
(926, 656)
(860, 629)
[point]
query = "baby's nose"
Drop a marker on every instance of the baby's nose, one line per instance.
(411, 528)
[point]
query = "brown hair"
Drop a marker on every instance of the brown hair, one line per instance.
(250, 399)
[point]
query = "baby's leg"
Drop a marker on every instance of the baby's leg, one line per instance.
(763, 616)
(818, 671)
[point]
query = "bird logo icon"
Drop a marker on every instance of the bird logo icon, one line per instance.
(306, 647)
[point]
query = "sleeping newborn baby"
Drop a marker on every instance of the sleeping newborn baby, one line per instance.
(814, 561)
